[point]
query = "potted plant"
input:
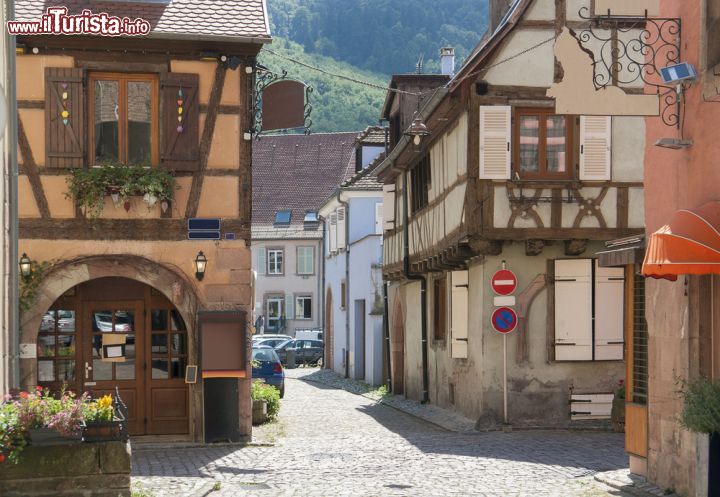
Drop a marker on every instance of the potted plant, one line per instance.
(266, 401)
(617, 414)
(102, 421)
(48, 420)
(701, 414)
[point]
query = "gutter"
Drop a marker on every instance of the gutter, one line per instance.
(423, 294)
(427, 110)
(347, 283)
(321, 309)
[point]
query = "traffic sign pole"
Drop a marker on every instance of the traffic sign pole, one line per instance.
(505, 410)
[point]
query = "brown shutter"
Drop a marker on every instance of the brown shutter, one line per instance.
(180, 151)
(64, 143)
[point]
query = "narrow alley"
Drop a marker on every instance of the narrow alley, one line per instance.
(329, 442)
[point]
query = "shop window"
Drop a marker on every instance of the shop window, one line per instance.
(124, 113)
(589, 311)
(543, 145)
(440, 308)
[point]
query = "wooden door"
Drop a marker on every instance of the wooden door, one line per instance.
(100, 377)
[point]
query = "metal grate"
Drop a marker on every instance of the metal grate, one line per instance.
(640, 344)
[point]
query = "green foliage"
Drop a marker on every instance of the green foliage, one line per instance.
(89, 187)
(268, 393)
(338, 105)
(701, 410)
(29, 284)
(387, 36)
(620, 390)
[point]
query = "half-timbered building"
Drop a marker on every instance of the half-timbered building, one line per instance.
(135, 271)
(503, 180)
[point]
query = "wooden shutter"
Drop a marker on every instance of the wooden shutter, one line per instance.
(261, 261)
(289, 307)
(64, 143)
(388, 215)
(573, 310)
(379, 218)
(332, 231)
(180, 151)
(459, 314)
(595, 148)
(495, 138)
(341, 234)
(609, 313)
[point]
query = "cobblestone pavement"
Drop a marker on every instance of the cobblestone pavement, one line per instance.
(331, 442)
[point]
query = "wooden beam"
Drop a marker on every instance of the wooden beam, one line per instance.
(206, 141)
(518, 234)
(623, 207)
(31, 170)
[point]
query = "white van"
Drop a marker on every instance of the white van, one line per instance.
(308, 334)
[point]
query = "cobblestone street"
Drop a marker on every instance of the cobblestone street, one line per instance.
(329, 442)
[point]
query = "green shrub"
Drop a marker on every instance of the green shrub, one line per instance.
(268, 393)
(701, 412)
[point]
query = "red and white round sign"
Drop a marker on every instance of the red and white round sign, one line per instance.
(504, 282)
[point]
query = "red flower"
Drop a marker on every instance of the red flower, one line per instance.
(2, 457)
(38, 388)
(23, 395)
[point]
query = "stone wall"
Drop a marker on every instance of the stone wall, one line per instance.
(73, 470)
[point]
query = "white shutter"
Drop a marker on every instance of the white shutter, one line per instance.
(289, 307)
(495, 139)
(378, 219)
(332, 232)
(595, 148)
(341, 228)
(459, 314)
(590, 406)
(261, 260)
(388, 215)
(609, 313)
(573, 310)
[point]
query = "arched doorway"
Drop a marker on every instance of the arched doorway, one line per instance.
(397, 349)
(113, 333)
(329, 330)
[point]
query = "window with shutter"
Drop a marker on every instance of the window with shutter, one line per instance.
(459, 314)
(305, 260)
(609, 315)
(341, 228)
(573, 310)
(542, 145)
(289, 307)
(332, 233)
(379, 219)
(64, 117)
(595, 148)
(440, 308)
(180, 116)
(495, 138)
(261, 260)
(388, 207)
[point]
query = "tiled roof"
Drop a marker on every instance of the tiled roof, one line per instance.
(373, 135)
(365, 179)
(297, 172)
(231, 18)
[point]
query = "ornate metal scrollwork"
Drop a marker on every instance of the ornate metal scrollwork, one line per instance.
(264, 78)
(627, 50)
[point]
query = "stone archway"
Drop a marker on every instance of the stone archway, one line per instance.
(329, 330)
(397, 348)
(65, 275)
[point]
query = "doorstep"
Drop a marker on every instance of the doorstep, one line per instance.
(632, 484)
(153, 442)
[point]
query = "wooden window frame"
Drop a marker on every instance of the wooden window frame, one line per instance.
(123, 79)
(282, 265)
(55, 333)
(420, 181)
(440, 310)
(570, 145)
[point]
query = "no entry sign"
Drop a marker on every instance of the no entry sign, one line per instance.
(504, 320)
(504, 282)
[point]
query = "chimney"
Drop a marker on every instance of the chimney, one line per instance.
(447, 61)
(498, 8)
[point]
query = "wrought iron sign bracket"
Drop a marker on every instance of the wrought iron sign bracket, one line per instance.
(627, 50)
(264, 78)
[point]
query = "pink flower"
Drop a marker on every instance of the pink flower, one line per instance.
(23, 395)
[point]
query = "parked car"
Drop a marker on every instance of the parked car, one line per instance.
(264, 336)
(267, 367)
(308, 334)
(269, 342)
(306, 351)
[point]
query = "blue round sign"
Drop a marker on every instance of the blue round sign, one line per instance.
(504, 320)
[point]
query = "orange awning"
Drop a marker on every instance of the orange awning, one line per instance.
(689, 244)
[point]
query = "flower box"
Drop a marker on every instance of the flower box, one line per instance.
(49, 436)
(103, 431)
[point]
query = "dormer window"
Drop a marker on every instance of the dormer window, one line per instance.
(282, 218)
(311, 217)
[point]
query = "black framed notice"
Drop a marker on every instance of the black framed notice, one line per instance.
(191, 374)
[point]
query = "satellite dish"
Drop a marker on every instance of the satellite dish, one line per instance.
(3, 110)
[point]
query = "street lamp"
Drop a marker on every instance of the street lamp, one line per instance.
(417, 130)
(25, 265)
(200, 265)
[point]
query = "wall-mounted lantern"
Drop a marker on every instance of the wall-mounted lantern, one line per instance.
(200, 265)
(417, 130)
(25, 266)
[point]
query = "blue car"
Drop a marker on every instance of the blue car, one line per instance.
(267, 367)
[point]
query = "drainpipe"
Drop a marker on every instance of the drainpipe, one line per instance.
(386, 333)
(347, 283)
(423, 294)
(13, 306)
(321, 267)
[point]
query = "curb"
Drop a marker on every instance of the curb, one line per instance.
(185, 445)
(638, 487)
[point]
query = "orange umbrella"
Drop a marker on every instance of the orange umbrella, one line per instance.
(689, 244)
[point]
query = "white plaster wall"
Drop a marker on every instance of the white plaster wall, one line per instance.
(531, 69)
(541, 10)
(628, 148)
(334, 275)
(637, 208)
